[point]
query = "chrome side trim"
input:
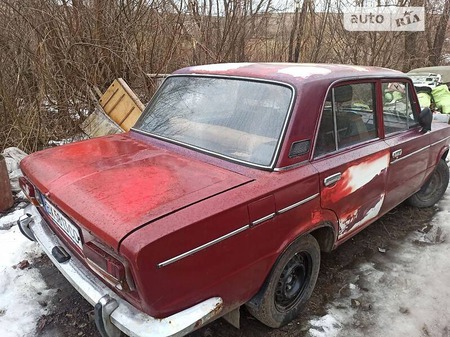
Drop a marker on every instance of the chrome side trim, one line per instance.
(301, 202)
(233, 233)
(264, 218)
(290, 167)
(440, 141)
(410, 154)
(199, 248)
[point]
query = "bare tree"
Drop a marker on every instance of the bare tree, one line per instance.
(52, 52)
(439, 37)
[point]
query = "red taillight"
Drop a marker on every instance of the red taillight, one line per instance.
(29, 190)
(116, 269)
(107, 263)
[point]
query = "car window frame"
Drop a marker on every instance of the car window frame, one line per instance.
(376, 88)
(410, 91)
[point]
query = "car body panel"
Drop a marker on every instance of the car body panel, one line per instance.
(358, 195)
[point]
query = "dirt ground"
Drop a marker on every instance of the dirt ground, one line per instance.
(73, 316)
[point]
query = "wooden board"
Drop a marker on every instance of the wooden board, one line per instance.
(121, 104)
(99, 124)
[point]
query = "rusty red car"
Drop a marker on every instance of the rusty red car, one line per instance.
(227, 189)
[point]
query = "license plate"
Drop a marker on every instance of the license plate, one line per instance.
(61, 220)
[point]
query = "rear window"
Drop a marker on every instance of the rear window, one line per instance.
(235, 118)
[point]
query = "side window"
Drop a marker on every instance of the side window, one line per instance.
(397, 111)
(348, 117)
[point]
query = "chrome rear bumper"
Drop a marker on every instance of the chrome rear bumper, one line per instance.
(112, 313)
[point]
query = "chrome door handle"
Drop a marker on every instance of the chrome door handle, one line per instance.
(397, 153)
(332, 179)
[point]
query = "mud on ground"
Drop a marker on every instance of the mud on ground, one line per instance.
(72, 316)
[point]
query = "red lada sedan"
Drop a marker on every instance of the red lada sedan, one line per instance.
(227, 189)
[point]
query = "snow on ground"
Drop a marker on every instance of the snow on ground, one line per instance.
(405, 292)
(21, 291)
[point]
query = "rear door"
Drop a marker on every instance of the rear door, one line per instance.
(351, 157)
(408, 146)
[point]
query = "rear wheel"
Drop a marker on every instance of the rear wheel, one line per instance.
(290, 283)
(433, 190)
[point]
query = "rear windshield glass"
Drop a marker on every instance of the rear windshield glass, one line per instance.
(235, 118)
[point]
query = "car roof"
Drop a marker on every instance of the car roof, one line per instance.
(444, 71)
(292, 73)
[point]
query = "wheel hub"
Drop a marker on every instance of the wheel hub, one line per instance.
(292, 282)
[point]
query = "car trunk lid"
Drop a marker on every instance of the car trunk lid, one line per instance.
(114, 185)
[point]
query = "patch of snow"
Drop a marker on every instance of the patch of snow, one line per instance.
(64, 141)
(20, 290)
(9, 220)
(406, 287)
(326, 326)
(21, 195)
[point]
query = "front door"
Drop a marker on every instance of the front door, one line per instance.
(409, 147)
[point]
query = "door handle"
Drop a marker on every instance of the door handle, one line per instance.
(332, 179)
(397, 153)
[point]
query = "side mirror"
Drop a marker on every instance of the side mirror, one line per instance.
(425, 119)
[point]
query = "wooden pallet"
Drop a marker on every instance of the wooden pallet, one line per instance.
(117, 111)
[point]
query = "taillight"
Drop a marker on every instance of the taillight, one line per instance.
(108, 266)
(29, 190)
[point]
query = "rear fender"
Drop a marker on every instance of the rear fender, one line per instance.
(443, 153)
(326, 241)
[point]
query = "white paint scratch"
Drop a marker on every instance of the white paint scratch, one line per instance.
(221, 66)
(304, 72)
(358, 68)
(361, 174)
(371, 213)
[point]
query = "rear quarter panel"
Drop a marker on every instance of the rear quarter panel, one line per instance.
(236, 267)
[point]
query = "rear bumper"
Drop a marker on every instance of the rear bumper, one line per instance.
(112, 312)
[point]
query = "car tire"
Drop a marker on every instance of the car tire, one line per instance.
(433, 190)
(290, 283)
